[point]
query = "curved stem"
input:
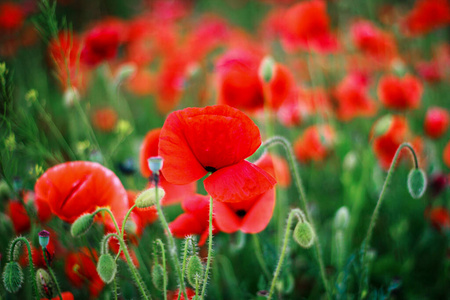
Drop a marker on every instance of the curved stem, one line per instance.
(171, 241)
(163, 253)
(52, 274)
(210, 240)
(114, 221)
(122, 233)
(294, 213)
(381, 198)
(298, 183)
(30, 259)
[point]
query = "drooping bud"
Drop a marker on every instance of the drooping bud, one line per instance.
(12, 277)
(417, 183)
(148, 198)
(106, 268)
(304, 234)
(194, 270)
(155, 164)
(44, 238)
(266, 69)
(341, 218)
(45, 284)
(158, 276)
(82, 225)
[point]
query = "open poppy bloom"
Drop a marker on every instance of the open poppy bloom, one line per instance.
(11, 16)
(74, 188)
(80, 270)
(194, 220)
(439, 218)
(249, 216)
(174, 193)
(353, 98)
(216, 139)
(105, 119)
(436, 122)
(279, 88)
(315, 143)
(400, 93)
(190, 293)
(100, 44)
(64, 295)
(426, 16)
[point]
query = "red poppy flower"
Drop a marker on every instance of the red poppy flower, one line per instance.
(439, 218)
(249, 216)
(307, 25)
(426, 16)
(277, 167)
(100, 44)
(174, 193)
(81, 269)
(142, 82)
(65, 296)
(400, 93)
(386, 144)
(238, 80)
(430, 71)
(194, 220)
(216, 139)
(436, 122)
(279, 88)
(315, 143)
(105, 119)
(11, 16)
(446, 155)
(189, 293)
(74, 188)
(353, 98)
(371, 40)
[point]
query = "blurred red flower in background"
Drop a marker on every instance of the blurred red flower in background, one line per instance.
(74, 188)
(426, 16)
(446, 155)
(101, 44)
(400, 93)
(11, 16)
(216, 139)
(104, 119)
(436, 122)
(439, 217)
(315, 143)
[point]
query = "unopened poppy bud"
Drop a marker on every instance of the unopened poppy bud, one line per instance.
(304, 234)
(44, 238)
(70, 96)
(383, 125)
(266, 69)
(158, 276)
(147, 198)
(82, 225)
(45, 284)
(194, 270)
(417, 183)
(155, 163)
(398, 67)
(12, 277)
(125, 71)
(341, 218)
(106, 267)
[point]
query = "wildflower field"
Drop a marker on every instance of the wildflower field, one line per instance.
(239, 149)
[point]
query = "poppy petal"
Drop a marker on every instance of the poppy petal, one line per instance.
(258, 217)
(225, 218)
(184, 225)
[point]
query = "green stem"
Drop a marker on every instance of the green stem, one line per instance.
(298, 183)
(163, 253)
(381, 198)
(115, 288)
(122, 233)
(210, 240)
(171, 241)
(294, 213)
(30, 259)
(259, 256)
(52, 274)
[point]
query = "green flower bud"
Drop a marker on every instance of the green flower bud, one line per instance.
(106, 268)
(194, 270)
(341, 218)
(45, 284)
(304, 234)
(417, 183)
(12, 277)
(147, 198)
(266, 69)
(382, 125)
(82, 225)
(158, 276)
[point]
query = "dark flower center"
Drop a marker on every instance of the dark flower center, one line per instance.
(210, 169)
(241, 213)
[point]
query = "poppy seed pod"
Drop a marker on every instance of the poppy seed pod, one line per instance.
(158, 276)
(155, 164)
(44, 238)
(417, 183)
(82, 225)
(341, 218)
(194, 270)
(304, 234)
(106, 268)
(147, 198)
(266, 69)
(12, 277)
(45, 284)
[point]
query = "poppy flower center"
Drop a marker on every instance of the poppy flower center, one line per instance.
(210, 169)
(241, 213)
